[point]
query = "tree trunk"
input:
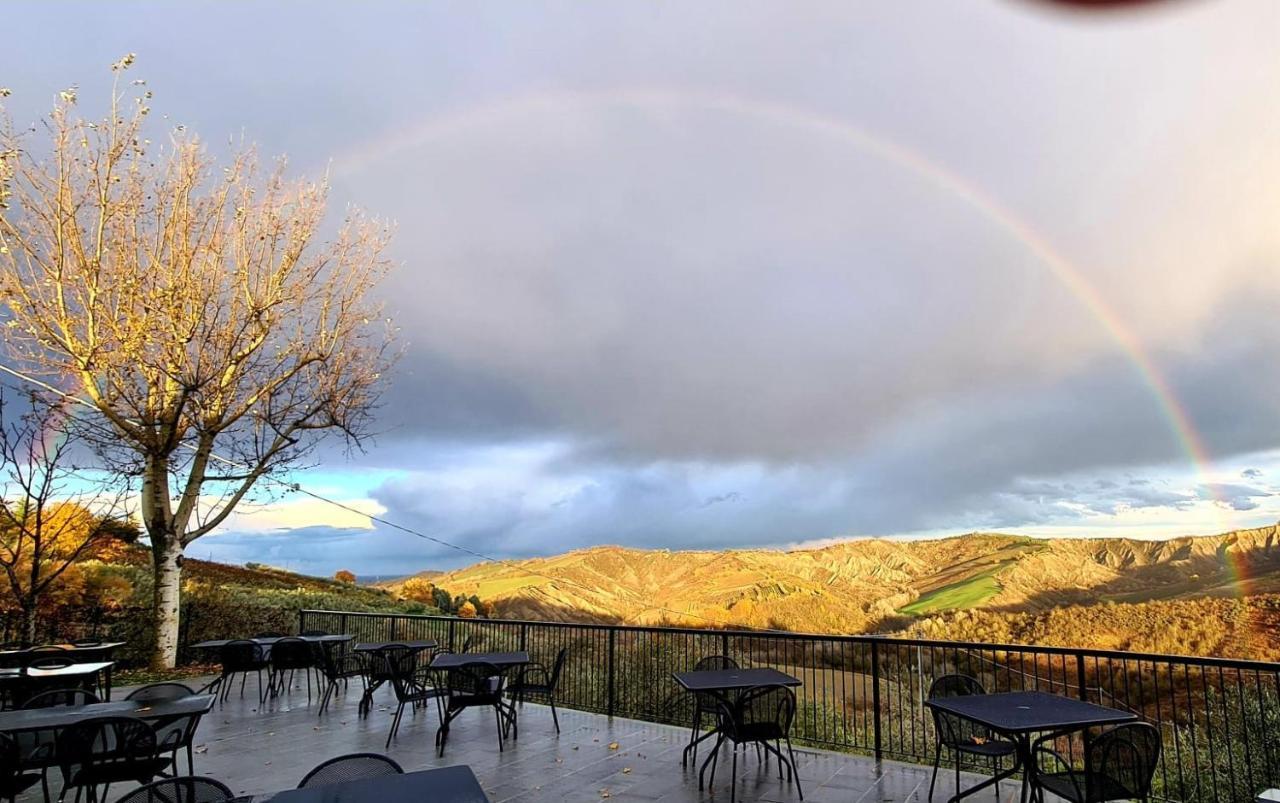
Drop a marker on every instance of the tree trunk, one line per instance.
(167, 561)
(28, 625)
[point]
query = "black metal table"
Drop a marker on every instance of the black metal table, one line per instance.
(60, 716)
(77, 675)
(417, 644)
(454, 784)
(719, 681)
(102, 652)
(1023, 714)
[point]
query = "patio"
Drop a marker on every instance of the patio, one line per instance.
(261, 751)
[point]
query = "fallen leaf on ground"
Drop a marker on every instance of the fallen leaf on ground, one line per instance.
(613, 745)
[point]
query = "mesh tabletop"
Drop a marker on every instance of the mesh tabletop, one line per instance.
(416, 644)
(729, 679)
(498, 659)
(455, 784)
(69, 672)
(61, 716)
(1030, 711)
(267, 641)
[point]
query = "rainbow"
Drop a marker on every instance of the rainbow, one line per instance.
(783, 115)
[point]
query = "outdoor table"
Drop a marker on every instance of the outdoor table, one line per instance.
(1023, 714)
(40, 725)
(419, 644)
(719, 681)
(80, 653)
(76, 674)
(267, 641)
(453, 784)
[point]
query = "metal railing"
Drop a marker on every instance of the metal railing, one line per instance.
(1220, 718)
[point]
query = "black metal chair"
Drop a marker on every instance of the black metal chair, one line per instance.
(476, 684)
(400, 667)
(100, 752)
(761, 715)
(191, 789)
(86, 642)
(173, 734)
(13, 781)
(290, 655)
(377, 672)
(337, 669)
(268, 634)
(1118, 765)
(48, 661)
(56, 697)
(241, 657)
(705, 703)
(535, 680)
(961, 736)
(351, 767)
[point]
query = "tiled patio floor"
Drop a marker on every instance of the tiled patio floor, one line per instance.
(260, 749)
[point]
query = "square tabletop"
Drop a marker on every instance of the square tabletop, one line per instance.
(267, 641)
(450, 660)
(73, 649)
(1022, 712)
(417, 644)
(72, 671)
(730, 679)
(61, 716)
(455, 784)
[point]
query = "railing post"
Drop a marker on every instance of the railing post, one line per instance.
(1084, 693)
(875, 699)
(342, 625)
(612, 639)
(452, 622)
(524, 637)
(395, 620)
(302, 620)
(724, 644)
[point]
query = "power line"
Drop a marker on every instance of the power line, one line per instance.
(297, 488)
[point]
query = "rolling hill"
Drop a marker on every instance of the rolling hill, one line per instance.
(1209, 594)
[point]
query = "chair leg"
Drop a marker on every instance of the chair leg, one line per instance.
(794, 770)
(937, 761)
(191, 759)
(733, 779)
(995, 770)
(497, 719)
(395, 723)
(555, 718)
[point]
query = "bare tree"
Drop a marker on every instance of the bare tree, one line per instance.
(195, 307)
(52, 511)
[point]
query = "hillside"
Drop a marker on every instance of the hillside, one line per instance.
(1130, 592)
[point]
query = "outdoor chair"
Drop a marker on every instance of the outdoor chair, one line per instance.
(762, 716)
(13, 781)
(86, 642)
(472, 685)
(173, 734)
(535, 680)
(241, 657)
(337, 669)
(191, 789)
(99, 752)
(377, 672)
(56, 697)
(705, 702)
(959, 735)
(400, 667)
(290, 655)
(351, 767)
(268, 634)
(468, 643)
(49, 662)
(1118, 765)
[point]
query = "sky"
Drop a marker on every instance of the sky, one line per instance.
(711, 275)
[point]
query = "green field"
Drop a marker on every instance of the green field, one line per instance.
(967, 593)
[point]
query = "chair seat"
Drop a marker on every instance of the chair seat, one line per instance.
(1098, 787)
(141, 770)
(759, 732)
(989, 747)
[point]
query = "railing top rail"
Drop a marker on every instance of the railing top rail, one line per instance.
(1188, 660)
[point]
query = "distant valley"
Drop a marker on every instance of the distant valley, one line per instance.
(1209, 595)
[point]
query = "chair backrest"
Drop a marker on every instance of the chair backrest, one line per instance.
(474, 678)
(187, 789)
(714, 662)
(49, 662)
(56, 697)
(48, 648)
(557, 667)
(388, 659)
(758, 705)
(1128, 755)
(86, 642)
(314, 633)
(950, 729)
(104, 740)
(161, 691)
(269, 634)
(292, 653)
(350, 768)
(240, 655)
(468, 643)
